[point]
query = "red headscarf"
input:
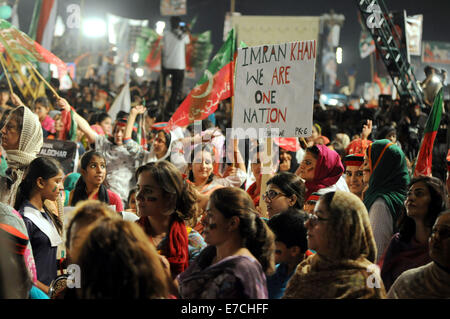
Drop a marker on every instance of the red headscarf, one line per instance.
(329, 169)
(176, 251)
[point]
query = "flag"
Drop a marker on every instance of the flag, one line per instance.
(215, 85)
(69, 131)
(23, 49)
(43, 22)
(122, 102)
(424, 159)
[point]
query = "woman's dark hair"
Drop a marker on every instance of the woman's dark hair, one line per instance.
(166, 135)
(289, 228)
(117, 261)
(86, 213)
(314, 150)
(102, 116)
(256, 235)
(438, 203)
(46, 168)
(197, 150)
(42, 100)
(79, 192)
(290, 184)
(172, 183)
(130, 193)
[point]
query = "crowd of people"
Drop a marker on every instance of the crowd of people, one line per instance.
(177, 214)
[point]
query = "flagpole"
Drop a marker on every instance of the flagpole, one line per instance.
(44, 80)
(6, 74)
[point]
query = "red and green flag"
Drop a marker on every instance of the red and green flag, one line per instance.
(215, 85)
(23, 49)
(424, 159)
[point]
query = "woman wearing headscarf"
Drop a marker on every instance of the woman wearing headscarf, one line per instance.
(343, 266)
(22, 140)
(322, 170)
(385, 162)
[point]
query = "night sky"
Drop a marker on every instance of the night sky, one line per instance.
(210, 16)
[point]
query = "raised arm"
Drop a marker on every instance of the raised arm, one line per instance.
(81, 122)
(135, 111)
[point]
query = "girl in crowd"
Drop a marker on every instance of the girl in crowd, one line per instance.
(22, 140)
(121, 164)
(388, 178)
(240, 252)
(90, 185)
(41, 108)
(322, 170)
(284, 190)
(354, 174)
(102, 123)
(42, 182)
(161, 146)
(164, 200)
(409, 248)
(118, 262)
(340, 233)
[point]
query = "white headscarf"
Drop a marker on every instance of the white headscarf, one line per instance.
(31, 140)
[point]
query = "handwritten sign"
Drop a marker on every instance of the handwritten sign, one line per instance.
(275, 88)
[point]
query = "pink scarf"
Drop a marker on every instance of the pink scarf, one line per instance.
(329, 169)
(48, 124)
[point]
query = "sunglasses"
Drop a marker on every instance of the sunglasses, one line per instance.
(314, 219)
(270, 195)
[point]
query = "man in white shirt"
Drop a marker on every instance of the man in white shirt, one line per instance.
(174, 60)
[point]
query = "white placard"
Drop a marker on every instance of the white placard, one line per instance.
(275, 88)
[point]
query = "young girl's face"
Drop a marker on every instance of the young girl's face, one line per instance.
(41, 111)
(52, 187)
(95, 172)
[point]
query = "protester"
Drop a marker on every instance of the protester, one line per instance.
(409, 248)
(12, 217)
(118, 262)
(164, 201)
(431, 280)
(121, 164)
(354, 173)
(385, 163)
(239, 254)
(322, 170)
(22, 140)
(291, 245)
(284, 190)
(43, 181)
(340, 234)
(15, 281)
(173, 59)
(161, 148)
(90, 185)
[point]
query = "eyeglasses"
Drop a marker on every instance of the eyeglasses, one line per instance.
(270, 195)
(314, 219)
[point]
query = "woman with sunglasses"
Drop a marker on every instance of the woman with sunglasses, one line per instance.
(284, 190)
(339, 231)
